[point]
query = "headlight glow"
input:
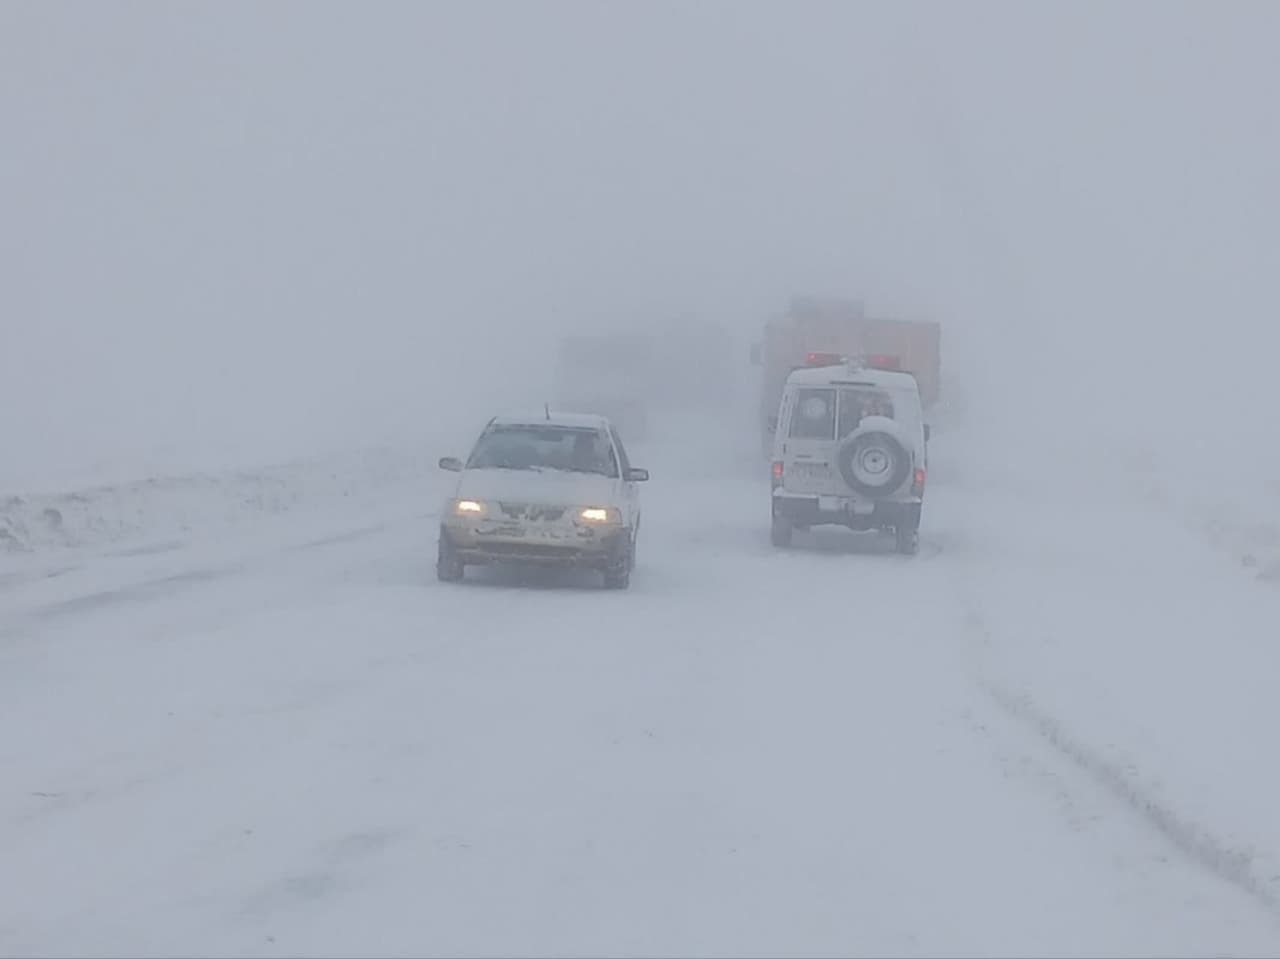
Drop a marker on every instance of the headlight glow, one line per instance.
(597, 514)
(468, 507)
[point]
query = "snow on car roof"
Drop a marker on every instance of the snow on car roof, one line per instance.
(592, 421)
(826, 375)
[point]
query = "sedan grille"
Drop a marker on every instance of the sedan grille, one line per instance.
(532, 511)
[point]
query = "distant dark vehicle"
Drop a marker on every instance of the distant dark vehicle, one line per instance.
(637, 377)
(611, 375)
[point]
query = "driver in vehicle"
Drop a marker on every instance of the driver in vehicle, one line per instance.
(590, 456)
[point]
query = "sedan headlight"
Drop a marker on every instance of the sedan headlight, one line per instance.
(599, 515)
(468, 507)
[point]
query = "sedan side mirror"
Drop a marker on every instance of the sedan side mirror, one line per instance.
(637, 476)
(452, 464)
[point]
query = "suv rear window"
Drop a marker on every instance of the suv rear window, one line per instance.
(814, 415)
(857, 403)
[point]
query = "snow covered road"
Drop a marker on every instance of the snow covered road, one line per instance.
(301, 744)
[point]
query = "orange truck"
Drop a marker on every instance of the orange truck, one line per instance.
(813, 332)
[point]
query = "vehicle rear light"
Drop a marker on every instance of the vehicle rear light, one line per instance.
(917, 482)
(777, 472)
(884, 361)
(823, 359)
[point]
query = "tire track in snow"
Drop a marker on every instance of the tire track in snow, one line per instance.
(1196, 842)
(1192, 839)
(162, 587)
(138, 592)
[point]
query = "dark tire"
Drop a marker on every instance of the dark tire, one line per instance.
(907, 531)
(618, 575)
(781, 532)
(874, 464)
(449, 566)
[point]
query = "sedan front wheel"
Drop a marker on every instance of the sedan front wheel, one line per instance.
(449, 565)
(618, 574)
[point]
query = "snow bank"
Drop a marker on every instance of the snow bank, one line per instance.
(1230, 498)
(185, 507)
(1206, 465)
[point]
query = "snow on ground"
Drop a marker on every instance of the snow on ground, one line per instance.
(1241, 521)
(1218, 480)
(1040, 736)
(177, 509)
(1214, 473)
(1110, 633)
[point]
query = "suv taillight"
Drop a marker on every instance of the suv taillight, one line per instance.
(917, 482)
(777, 473)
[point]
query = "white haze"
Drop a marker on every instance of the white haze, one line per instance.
(239, 231)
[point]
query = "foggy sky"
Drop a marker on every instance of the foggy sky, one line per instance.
(246, 228)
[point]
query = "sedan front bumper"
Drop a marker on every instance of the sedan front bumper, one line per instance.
(490, 542)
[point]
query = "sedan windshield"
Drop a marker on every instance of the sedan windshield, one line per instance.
(545, 447)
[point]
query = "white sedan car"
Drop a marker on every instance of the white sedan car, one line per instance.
(551, 489)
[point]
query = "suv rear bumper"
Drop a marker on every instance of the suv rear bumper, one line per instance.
(805, 511)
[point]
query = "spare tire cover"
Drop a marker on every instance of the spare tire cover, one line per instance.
(873, 460)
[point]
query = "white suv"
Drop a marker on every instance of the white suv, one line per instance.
(850, 450)
(551, 489)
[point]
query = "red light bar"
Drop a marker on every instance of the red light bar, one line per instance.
(884, 361)
(823, 359)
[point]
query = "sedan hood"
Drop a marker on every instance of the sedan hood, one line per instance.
(548, 487)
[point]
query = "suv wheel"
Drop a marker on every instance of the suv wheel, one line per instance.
(449, 566)
(907, 531)
(781, 532)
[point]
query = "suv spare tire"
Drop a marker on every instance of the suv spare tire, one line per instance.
(873, 460)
